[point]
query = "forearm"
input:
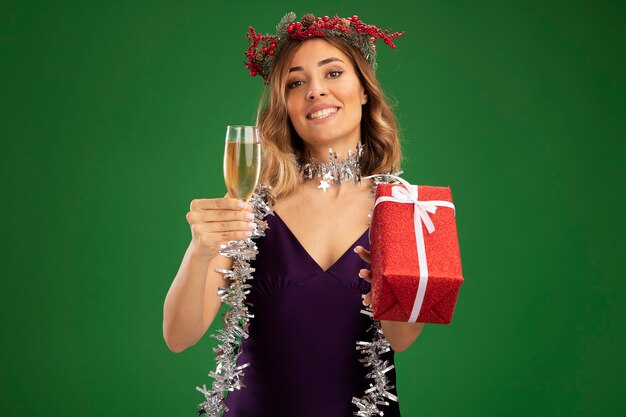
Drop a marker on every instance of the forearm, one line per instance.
(400, 335)
(183, 310)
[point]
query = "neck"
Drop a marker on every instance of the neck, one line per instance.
(321, 153)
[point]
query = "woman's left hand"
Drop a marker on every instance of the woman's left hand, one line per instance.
(400, 335)
(366, 274)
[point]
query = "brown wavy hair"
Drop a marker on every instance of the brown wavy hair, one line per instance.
(283, 149)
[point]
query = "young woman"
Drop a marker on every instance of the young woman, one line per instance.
(312, 275)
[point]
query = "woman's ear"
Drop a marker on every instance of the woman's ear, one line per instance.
(363, 99)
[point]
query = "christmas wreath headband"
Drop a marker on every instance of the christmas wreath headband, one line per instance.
(263, 49)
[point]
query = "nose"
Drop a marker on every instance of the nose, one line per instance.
(316, 90)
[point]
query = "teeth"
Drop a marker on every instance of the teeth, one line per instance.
(323, 113)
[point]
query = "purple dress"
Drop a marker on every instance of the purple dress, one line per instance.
(302, 344)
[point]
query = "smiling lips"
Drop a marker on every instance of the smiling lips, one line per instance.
(321, 114)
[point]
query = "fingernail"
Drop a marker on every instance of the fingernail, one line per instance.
(241, 204)
(363, 296)
(248, 233)
(252, 225)
(249, 216)
(360, 276)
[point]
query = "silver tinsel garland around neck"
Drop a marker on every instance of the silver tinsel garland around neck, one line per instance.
(335, 171)
(228, 376)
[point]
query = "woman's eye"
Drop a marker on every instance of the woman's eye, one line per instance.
(294, 84)
(334, 74)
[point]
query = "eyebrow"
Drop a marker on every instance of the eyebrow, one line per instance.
(319, 64)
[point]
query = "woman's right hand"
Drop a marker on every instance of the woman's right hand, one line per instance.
(215, 221)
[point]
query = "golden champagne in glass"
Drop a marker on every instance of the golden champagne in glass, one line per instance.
(242, 161)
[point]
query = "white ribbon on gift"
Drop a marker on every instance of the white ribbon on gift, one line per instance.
(407, 194)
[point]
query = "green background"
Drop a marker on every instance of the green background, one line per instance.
(112, 120)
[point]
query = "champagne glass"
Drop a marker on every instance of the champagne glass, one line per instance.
(242, 161)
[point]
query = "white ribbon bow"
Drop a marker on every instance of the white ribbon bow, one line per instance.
(408, 195)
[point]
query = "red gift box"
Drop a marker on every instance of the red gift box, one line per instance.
(397, 269)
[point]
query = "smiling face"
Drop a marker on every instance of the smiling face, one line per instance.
(324, 97)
